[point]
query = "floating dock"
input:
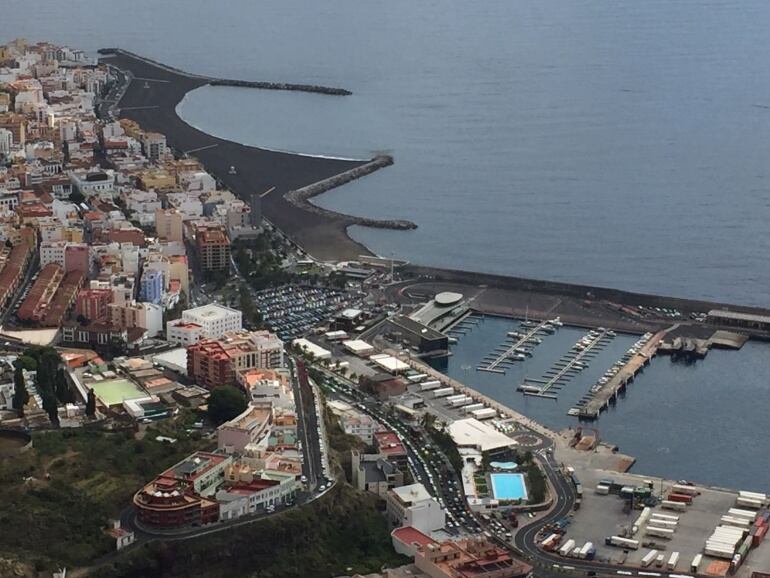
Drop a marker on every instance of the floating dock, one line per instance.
(516, 350)
(568, 366)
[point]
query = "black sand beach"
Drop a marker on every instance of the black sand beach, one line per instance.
(151, 100)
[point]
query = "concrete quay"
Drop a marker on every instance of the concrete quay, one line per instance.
(618, 383)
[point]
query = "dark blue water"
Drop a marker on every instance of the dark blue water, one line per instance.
(702, 421)
(618, 143)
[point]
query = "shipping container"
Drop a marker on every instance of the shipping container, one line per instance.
(669, 505)
(417, 378)
(643, 517)
(428, 385)
(759, 536)
(749, 503)
(451, 398)
(742, 513)
(649, 558)
(667, 533)
(473, 407)
(659, 560)
(567, 547)
(753, 495)
(575, 552)
(673, 560)
(485, 413)
(603, 490)
(664, 523)
(718, 552)
(687, 490)
(684, 498)
(443, 392)
(660, 516)
(622, 542)
(735, 521)
(695, 564)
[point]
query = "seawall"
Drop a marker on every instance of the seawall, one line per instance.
(300, 198)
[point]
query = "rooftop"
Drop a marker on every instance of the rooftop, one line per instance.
(211, 312)
(472, 432)
(411, 494)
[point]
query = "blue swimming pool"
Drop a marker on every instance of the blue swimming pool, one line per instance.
(508, 486)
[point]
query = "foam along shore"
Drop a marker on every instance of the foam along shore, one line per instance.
(154, 90)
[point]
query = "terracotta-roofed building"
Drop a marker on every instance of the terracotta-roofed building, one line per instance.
(35, 306)
(64, 298)
(11, 275)
(470, 558)
(408, 540)
(92, 303)
(389, 446)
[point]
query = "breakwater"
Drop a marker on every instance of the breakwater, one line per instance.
(313, 88)
(577, 291)
(282, 86)
(300, 198)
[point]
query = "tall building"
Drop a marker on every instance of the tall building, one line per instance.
(213, 249)
(17, 124)
(151, 286)
(212, 363)
(92, 303)
(154, 145)
(168, 225)
(6, 142)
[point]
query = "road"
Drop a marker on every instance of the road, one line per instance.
(30, 271)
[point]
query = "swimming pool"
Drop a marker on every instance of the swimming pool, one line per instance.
(508, 486)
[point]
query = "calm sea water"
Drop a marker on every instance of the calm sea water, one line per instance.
(696, 421)
(619, 143)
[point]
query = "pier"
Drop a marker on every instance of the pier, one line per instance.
(570, 364)
(609, 392)
(510, 351)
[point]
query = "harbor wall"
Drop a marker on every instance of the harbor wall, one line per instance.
(300, 198)
(588, 292)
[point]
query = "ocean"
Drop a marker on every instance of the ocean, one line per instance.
(620, 143)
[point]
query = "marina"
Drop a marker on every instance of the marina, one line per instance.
(575, 361)
(670, 403)
(518, 345)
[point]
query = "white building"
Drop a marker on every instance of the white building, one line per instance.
(414, 506)
(6, 141)
(216, 320)
(183, 333)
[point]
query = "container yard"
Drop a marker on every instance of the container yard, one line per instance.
(622, 516)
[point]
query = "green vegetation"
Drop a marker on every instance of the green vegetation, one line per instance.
(339, 531)
(340, 442)
(20, 393)
(225, 403)
(259, 261)
(58, 496)
(536, 483)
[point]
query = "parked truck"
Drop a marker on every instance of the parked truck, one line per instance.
(621, 542)
(429, 385)
(670, 505)
(567, 547)
(485, 413)
(667, 533)
(673, 560)
(443, 391)
(695, 564)
(649, 558)
(585, 549)
(473, 407)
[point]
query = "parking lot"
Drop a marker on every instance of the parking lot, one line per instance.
(292, 310)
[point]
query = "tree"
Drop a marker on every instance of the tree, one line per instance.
(91, 404)
(225, 403)
(20, 393)
(62, 387)
(77, 197)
